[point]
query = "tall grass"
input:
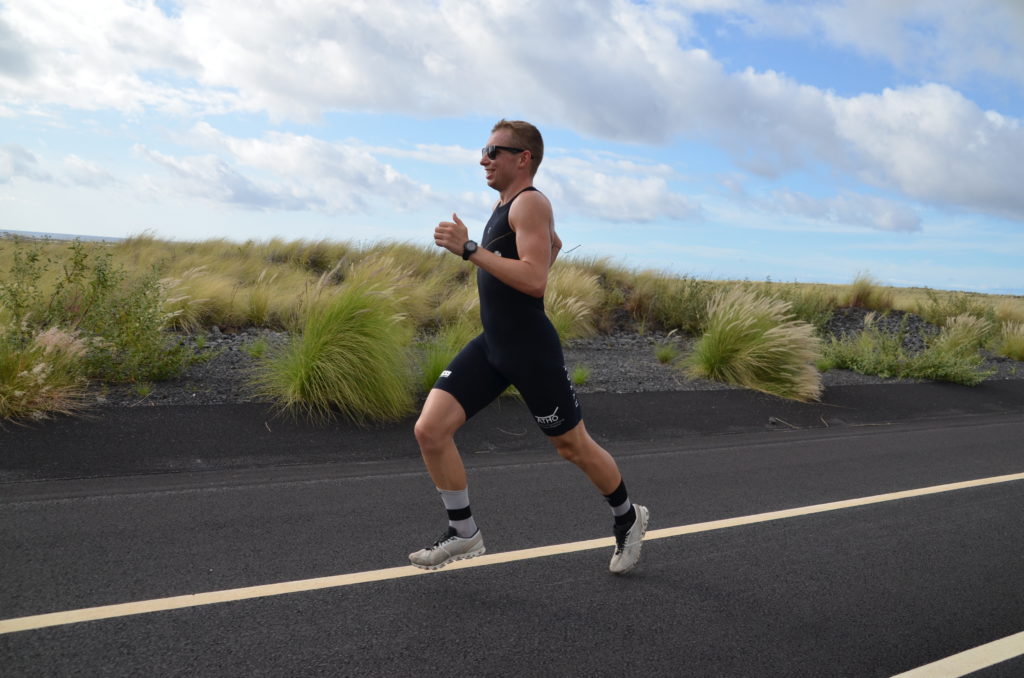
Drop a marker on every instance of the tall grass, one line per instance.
(753, 341)
(572, 301)
(350, 358)
(663, 302)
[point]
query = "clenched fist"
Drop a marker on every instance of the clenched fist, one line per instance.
(451, 235)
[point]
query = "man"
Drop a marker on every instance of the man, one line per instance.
(518, 346)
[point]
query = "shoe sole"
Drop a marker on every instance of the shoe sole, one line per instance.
(646, 518)
(464, 556)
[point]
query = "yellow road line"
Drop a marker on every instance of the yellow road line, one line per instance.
(250, 592)
(972, 660)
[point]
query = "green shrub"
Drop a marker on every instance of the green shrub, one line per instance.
(351, 357)
(120, 318)
(752, 341)
(580, 375)
(939, 308)
(951, 356)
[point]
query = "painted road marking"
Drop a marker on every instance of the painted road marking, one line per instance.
(972, 660)
(211, 598)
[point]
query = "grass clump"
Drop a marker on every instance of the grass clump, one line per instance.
(753, 341)
(866, 292)
(351, 357)
(1011, 341)
(41, 376)
(439, 350)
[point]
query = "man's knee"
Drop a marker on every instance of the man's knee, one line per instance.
(572, 446)
(431, 434)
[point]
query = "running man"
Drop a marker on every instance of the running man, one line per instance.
(518, 346)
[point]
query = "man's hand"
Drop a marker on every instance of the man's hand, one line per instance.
(451, 235)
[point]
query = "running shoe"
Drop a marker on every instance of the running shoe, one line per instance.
(628, 542)
(449, 548)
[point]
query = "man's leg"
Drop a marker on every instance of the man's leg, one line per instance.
(441, 416)
(599, 466)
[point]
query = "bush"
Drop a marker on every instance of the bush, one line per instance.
(752, 341)
(351, 357)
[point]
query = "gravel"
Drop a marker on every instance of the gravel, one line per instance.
(622, 362)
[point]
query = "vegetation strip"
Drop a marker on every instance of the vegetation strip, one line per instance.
(267, 590)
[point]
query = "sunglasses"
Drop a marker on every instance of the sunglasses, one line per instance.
(492, 151)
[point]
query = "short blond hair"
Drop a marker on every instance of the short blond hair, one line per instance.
(524, 135)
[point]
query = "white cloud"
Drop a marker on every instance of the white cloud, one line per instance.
(80, 172)
(618, 192)
(611, 68)
(847, 209)
(935, 145)
(16, 161)
(289, 172)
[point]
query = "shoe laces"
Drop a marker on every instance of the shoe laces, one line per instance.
(449, 534)
(621, 532)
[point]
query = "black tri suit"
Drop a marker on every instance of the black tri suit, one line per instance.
(518, 346)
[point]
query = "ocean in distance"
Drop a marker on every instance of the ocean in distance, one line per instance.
(4, 233)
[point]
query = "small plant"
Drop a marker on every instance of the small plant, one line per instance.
(143, 389)
(752, 341)
(580, 375)
(257, 348)
(667, 351)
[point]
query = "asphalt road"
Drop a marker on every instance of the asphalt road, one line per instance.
(177, 502)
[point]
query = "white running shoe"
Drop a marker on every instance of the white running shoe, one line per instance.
(629, 541)
(449, 548)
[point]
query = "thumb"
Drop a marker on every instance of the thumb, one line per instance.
(455, 218)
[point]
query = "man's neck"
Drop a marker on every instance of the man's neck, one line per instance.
(514, 190)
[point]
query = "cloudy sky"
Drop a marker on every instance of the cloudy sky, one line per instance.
(739, 139)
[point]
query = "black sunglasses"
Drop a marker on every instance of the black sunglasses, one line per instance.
(492, 151)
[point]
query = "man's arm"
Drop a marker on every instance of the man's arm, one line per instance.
(530, 217)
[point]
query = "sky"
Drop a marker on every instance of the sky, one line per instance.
(722, 139)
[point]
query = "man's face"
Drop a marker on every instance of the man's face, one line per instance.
(501, 171)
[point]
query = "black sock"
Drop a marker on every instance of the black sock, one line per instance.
(622, 508)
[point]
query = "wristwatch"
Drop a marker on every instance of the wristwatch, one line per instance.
(468, 249)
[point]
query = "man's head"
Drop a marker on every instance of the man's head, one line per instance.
(523, 135)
